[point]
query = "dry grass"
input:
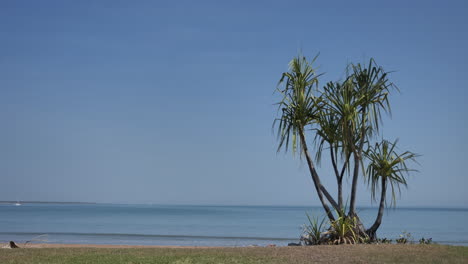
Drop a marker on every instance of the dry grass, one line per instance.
(312, 254)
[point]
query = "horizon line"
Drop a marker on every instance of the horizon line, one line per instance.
(233, 205)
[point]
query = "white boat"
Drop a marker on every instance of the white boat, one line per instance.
(17, 204)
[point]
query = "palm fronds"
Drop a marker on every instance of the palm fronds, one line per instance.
(299, 106)
(386, 162)
(312, 232)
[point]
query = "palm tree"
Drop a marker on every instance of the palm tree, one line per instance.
(300, 108)
(335, 127)
(387, 167)
(328, 136)
(351, 115)
(370, 98)
(345, 117)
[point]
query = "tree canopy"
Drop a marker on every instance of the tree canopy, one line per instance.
(344, 119)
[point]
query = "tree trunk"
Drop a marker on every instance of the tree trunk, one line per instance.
(328, 196)
(352, 204)
(357, 160)
(338, 179)
(340, 194)
(372, 231)
(314, 175)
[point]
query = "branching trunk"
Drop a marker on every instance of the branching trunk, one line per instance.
(333, 160)
(357, 161)
(314, 175)
(340, 182)
(372, 231)
(339, 178)
(345, 165)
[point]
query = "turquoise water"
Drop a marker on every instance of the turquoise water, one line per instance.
(206, 225)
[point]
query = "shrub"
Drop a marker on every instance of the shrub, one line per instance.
(312, 233)
(344, 231)
(405, 237)
(425, 241)
(384, 240)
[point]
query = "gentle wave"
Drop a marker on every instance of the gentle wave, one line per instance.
(110, 235)
(208, 225)
(145, 235)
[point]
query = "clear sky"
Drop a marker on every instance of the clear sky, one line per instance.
(172, 101)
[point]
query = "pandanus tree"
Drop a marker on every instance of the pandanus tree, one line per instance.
(386, 167)
(300, 108)
(345, 118)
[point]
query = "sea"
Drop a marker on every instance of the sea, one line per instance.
(194, 225)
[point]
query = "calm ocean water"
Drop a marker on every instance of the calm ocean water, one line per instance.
(206, 225)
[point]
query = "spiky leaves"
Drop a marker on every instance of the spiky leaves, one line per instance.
(299, 106)
(312, 232)
(372, 88)
(386, 167)
(386, 163)
(351, 110)
(355, 105)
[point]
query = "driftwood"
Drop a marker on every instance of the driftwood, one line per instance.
(11, 244)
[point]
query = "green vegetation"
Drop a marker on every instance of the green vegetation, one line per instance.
(384, 240)
(342, 231)
(405, 238)
(425, 241)
(313, 231)
(344, 118)
(320, 254)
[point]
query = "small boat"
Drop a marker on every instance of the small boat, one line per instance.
(17, 204)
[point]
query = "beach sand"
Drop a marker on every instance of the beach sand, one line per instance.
(47, 245)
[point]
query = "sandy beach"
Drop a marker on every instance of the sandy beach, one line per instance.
(48, 245)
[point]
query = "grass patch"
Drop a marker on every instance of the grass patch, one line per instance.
(312, 254)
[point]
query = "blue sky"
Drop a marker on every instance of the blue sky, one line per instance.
(172, 102)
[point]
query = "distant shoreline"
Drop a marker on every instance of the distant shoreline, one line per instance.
(68, 245)
(450, 208)
(42, 202)
(412, 207)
